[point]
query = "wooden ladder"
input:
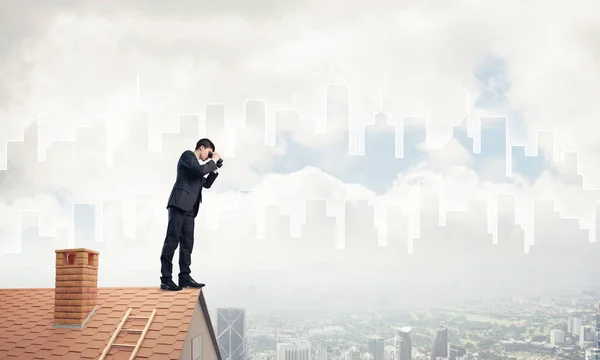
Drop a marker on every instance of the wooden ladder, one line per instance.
(136, 346)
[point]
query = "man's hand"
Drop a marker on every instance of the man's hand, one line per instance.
(216, 156)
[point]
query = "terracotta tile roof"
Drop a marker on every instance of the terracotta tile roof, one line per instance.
(27, 316)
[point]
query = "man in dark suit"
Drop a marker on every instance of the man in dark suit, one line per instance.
(184, 203)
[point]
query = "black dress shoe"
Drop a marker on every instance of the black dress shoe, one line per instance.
(189, 282)
(169, 286)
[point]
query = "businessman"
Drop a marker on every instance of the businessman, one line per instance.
(195, 170)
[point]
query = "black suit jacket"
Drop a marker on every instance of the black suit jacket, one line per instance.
(187, 190)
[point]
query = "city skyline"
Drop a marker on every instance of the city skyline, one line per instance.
(446, 204)
(407, 220)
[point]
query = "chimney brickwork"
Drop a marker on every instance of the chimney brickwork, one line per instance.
(76, 289)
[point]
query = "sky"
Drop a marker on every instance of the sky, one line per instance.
(395, 112)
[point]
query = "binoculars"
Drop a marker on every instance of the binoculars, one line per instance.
(219, 162)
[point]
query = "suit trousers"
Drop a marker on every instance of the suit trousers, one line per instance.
(180, 231)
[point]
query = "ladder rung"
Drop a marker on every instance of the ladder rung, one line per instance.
(133, 330)
(136, 346)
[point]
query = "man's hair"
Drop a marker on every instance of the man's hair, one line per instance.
(206, 143)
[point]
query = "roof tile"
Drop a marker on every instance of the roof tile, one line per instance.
(72, 334)
(169, 331)
(7, 346)
(71, 356)
(50, 345)
(172, 323)
(178, 308)
(61, 350)
(97, 344)
(184, 327)
(108, 328)
(152, 334)
(163, 349)
(77, 347)
(42, 354)
(26, 356)
(16, 351)
(145, 352)
(150, 342)
(89, 353)
(33, 348)
(164, 340)
(54, 357)
(39, 340)
(156, 357)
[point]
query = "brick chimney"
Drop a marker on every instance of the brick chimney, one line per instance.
(76, 290)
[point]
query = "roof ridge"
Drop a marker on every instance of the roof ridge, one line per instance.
(211, 330)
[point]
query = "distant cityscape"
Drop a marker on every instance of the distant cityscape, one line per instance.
(311, 241)
(564, 327)
(111, 160)
(397, 148)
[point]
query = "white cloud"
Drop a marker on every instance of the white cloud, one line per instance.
(451, 154)
(234, 250)
(420, 57)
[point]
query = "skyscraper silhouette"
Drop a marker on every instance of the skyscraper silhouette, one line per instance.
(338, 109)
(403, 344)
(439, 347)
(231, 326)
(215, 121)
(375, 347)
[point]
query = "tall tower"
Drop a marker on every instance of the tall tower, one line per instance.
(574, 325)
(403, 344)
(597, 329)
(375, 347)
(338, 112)
(439, 347)
(231, 330)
